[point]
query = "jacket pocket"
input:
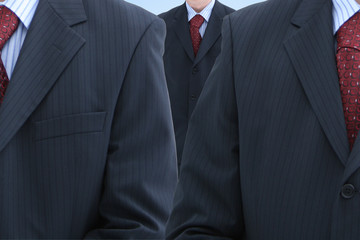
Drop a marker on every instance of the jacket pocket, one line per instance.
(69, 125)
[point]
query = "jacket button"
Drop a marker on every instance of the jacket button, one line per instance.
(348, 191)
(195, 70)
(193, 97)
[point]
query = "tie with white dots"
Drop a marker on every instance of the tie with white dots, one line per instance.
(195, 24)
(348, 65)
(8, 23)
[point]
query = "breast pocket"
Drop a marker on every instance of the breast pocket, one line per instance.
(69, 125)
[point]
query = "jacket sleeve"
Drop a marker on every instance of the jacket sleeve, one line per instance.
(208, 197)
(141, 174)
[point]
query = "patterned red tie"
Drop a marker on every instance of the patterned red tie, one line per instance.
(8, 23)
(348, 64)
(195, 24)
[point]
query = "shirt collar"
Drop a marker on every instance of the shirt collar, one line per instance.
(205, 13)
(24, 9)
(343, 10)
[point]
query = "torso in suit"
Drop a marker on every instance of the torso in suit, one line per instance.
(186, 74)
(267, 154)
(87, 146)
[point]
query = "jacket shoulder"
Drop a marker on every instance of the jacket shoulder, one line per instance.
(119, 11)
(265, 15)
(226, 9)
(170, 14)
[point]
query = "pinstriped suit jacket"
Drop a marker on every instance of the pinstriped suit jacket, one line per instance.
(87, 147)
(267, 155)
(186, 74)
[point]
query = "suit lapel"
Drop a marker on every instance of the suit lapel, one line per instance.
(212, 33)
(353, 163)
(49, 46)
(183, 31)
(311, 48)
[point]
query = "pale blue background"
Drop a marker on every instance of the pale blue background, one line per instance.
(159, 6)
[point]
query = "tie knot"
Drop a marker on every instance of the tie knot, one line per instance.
(349, 33)
(8, 24)
(197, 21)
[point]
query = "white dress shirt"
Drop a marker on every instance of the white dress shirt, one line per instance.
(205, 13)
(25, 10)
(343, 10)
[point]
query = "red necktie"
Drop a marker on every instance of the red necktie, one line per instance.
(348, 64)
(8, 24)
(195, 24)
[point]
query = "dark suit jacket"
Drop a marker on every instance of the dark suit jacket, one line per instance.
(267, 155)
(87, 145)
(185, 74)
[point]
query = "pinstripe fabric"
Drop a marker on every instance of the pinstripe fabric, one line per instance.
(205, 13)
(266, 154)
(25, 11)
(87, 148)
(342, 11)
(185, 74)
